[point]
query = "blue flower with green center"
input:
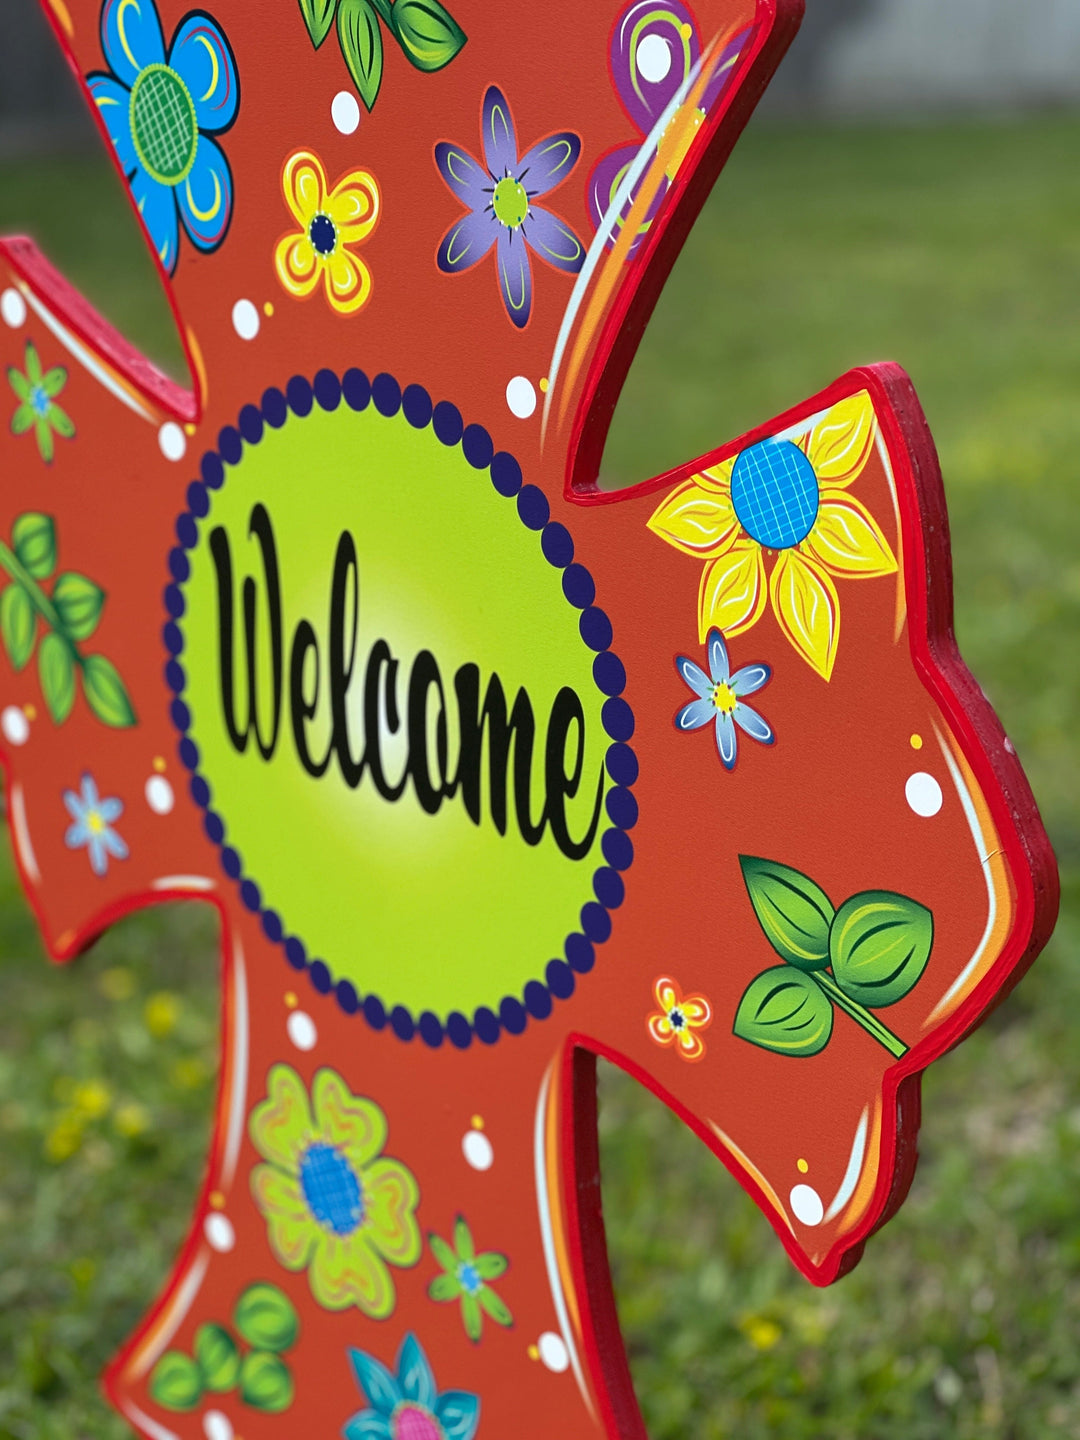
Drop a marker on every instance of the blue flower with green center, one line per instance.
(408, 1405)
(37, 408)
(466, 1279)
(160, 109)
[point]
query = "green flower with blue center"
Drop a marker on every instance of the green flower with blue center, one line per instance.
(37, 409)
(466, 1278)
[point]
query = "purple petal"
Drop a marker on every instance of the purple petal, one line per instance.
(553, 240)
(549, 162)
(696, 715)
(694, 676)
(724, 70)
(465, 176)
(605, 180)
(515, 275)
(467, 241)
(653, 49)
(755, 725)
(727, 742)
(750, 679)
(500, 139)
(719, 664)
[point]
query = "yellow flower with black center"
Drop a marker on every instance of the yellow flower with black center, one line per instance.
(331, 222)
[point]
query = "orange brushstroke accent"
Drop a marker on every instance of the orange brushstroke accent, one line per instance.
(864, 1191)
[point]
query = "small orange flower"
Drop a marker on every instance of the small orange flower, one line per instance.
(679, 1019)
(330, 221)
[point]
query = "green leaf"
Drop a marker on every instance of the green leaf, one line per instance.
(266, 1318)
(785, 1011)
(79, 602)
(265, 1382)
(318, 16)
(33, 538)
(175, 1382)
(879, 947)
(18, 624)
(56, 672)
(361, 47)
(794, 912)
(105, 693)
(217, 1357)
(427, 33)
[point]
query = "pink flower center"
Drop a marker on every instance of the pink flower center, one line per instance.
(413, 1422)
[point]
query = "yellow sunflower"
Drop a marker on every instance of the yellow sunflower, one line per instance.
(334, 1204)
(330, 222)
(785, 500)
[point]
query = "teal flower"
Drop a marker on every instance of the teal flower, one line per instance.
(36, 393)
(465, 1278)
(408, 1406)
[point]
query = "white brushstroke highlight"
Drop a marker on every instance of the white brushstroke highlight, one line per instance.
(853, 1171)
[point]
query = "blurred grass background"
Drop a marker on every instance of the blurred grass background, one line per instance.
(955, 250)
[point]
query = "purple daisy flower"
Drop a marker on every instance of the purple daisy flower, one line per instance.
(654, 47)
(499, 196)
(720, 700)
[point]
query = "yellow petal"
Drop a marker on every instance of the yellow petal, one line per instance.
(841, 442)
(296, 265)
(346, 1271)
(303, 183)
(697, 520)
(691, 1045)
(698, 1011)
(348, 282)
(667, 993)
(355, 1125)
(847, 540)
(280, 1125)
(661, 1029)
(808, 609)
(353, 205)
(291, 1229)
(732, 594)
(391, 1194)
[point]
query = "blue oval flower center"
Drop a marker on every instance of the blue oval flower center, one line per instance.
(322, 232)
(468, 1279)
(163, 124)
(39, 401)
(775, 494)
(331, 1189)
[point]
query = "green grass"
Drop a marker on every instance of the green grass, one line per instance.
(956, 251)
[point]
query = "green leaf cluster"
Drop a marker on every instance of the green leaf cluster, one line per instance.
(265, 1318)
(864, 957)
(428, 35)
(69, 613)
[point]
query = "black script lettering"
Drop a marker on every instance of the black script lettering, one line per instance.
(520, 728)
(260, 527)
(566, 712)
(374, 707)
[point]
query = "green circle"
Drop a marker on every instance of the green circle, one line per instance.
(163, 124)
(510, 203)
(433, 911)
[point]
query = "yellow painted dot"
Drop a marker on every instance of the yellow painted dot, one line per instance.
(544, 383)
(916, 742)
(802, 1166)
(159, 764)
(534, 1353)
(217, 1200)
(685, 31)
(268, 308)
(30, 711)
(189, 428)
(291, 1000)
(477, 1122)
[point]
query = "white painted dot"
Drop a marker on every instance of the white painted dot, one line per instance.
(13, 308)
(217, 1426)
(653, 59)
(478, 1150)
(806, 1205)
(924, 795)
(345, 112)
(159, 795)
(172, 440)
(521, 397)
(219, 1232)
(553, 1351)
(15, 725)
(245, 319)
(302, 1031)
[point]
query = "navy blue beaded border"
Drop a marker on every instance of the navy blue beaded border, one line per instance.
(557, 546)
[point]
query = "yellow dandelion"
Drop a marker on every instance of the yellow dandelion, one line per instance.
(161, 1013)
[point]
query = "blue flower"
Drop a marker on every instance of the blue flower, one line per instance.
(92, 829)
(720, 700)
(159, 111)
(408, 1406)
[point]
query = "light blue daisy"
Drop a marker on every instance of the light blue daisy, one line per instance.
(92, 828)
(720, 700)
(160, 110)
(408, 1406)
